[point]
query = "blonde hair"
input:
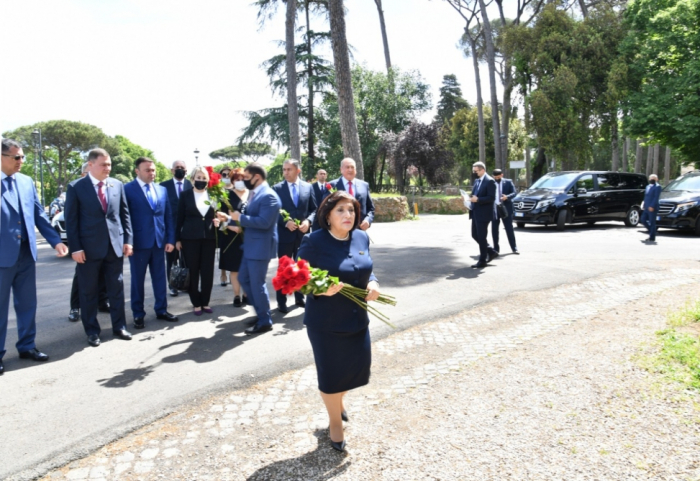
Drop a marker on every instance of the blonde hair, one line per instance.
(199, 170)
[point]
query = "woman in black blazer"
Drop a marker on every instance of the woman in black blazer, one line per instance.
(196, 239)
(336, 326)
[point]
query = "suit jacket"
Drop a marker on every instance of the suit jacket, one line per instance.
(652, 195)
(351, 263)
(152, 227)
(32, 214)
(483, 211)
(508, 189)
(305, 210)
(191, 225)
(260, 225)
(171, 188)
(88, 227)
(361, 190)
(320, 193)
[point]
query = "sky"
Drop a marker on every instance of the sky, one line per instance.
(174, 75)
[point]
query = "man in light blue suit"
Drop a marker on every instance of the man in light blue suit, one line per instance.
(652, 194)
(154, 235)
(259, 242)
(20, 212)
(358, 189)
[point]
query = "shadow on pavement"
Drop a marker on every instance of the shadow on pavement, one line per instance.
(410, 266)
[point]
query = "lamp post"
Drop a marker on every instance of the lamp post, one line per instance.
(36, 135)
(196, 156)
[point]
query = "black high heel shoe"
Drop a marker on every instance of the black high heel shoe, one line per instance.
(344, 416)
(338, 446)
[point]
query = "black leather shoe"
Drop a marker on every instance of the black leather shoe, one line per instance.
(174, 293)
(338, 446)
(492, 256)
(2, 368)
(74, 315)
(257, 330)
(166, 316)
(301, 303)
(516, 252)
(479, 265)
(94, 340)
(283, 309)
(122, 334)
(139, 323)
(237, 302)
(104, 307)
(344, 416)
(34, 354)
(251, 322)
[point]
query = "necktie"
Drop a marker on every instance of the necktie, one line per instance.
(350, 191)
(101, 196)
(149, 196)
(295, 195)
(12, 194)
(476, 186)
(179, 189)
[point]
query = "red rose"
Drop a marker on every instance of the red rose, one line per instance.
(329, 186)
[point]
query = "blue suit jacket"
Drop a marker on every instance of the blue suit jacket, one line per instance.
(170, 188)
(482, 211)
(305, 210)
(651, 197)
(32, 215)
(151, 227)
(351, 263)
(260, 225)
(361, 190)
(320, 193)
(88, 228)
(507, 188)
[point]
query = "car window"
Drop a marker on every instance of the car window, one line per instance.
(631, 181)
(608, 181)
(585, 182)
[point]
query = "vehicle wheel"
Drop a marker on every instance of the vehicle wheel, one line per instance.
(521, 225)
(632, 217)
(591, 222)
(697, 226)
(561, 219)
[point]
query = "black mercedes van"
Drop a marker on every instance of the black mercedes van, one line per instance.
(562, 198)
(679, 206)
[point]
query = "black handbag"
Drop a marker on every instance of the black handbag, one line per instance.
(180, 275)
(502, 211)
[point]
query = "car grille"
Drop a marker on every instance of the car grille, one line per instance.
(524, 205)
(62, 225)
(665, 209)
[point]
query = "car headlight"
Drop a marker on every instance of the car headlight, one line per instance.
(685, 206)
(544, 203)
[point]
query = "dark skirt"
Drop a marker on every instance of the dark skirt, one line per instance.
(343, 359)
(231, 259)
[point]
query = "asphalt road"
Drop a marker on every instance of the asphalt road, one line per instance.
(85, 397)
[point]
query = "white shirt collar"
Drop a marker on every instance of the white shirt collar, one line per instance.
(95, 181)
(261, 185)
(142, 183)
(3, 175)
(346, 181)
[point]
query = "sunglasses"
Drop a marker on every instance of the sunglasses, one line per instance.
(16, 157)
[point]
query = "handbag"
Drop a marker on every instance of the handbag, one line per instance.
(502, 211)
(180, 275)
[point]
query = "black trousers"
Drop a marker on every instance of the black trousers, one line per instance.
(508, 225)
(480, 231)
(170, 258)
(288, 249)
(199, 256)
(88, 282)
(75, 292)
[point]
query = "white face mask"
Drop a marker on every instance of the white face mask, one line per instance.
(239, 185)
(226, 181)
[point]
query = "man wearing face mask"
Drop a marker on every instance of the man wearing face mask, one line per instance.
(175, 187)
(259, 242)
(482, 213)
(652, 195)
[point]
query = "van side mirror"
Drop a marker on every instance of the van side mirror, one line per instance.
(581, 190)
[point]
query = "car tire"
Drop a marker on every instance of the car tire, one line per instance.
(521, 225)
(632, 217)
(697, 226)
(561, 219)
(591, 222)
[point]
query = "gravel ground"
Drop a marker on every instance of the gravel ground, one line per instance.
(548, 387)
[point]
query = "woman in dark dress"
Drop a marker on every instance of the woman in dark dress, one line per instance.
(230, 252)
(336, 326)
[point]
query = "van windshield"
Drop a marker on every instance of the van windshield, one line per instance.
(689, 183)
(554, 181)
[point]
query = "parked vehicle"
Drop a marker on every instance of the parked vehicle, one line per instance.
(58, 223)
(679, 206)
(562, 198)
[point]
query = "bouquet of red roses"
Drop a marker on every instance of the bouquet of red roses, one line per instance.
(300, 276)
(329, 187)
(216, 190)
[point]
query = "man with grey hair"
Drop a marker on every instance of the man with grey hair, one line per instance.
(652, 194)
(482, 213)
(175, 186)
(359, 189)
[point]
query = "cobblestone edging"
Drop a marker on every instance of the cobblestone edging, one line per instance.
(205, 442)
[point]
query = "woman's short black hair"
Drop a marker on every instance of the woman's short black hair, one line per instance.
(329, 204)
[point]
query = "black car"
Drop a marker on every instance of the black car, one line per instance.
(679, 206)
(574, 197)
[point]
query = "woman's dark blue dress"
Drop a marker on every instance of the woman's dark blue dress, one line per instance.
(336, 326)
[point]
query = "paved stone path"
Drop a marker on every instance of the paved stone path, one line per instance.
(251, 434)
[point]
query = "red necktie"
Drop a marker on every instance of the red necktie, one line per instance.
(350, 191)
(101, 196)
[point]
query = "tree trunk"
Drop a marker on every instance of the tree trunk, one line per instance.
(667, 166)
(479, 97)
(293, 108)
(385, 39)
(540, 163)
(346, 104)
(615, 144)
(491, 61)
(650, 159)
(584, 8)
(505, 110)
(528, 167)
(626, 155)
(655, 165)
(311, 128)
(638, 157)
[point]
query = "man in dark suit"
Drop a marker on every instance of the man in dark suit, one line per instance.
(358, 189)
(20, 213)
(259, 242)
(298, 200)
(505, 191)
(320, 191)
(652, 194)
(482, 213)
(99, 235)
(154, 235)
(175, 187)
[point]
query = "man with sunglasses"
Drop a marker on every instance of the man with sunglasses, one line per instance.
(20, 213)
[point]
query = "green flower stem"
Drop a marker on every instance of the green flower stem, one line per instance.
(371, 310)
(229, 244)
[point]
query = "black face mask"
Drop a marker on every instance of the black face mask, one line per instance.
(249, 184)
(200, 184)
(652, 182)
(180, 174)
(474, 176)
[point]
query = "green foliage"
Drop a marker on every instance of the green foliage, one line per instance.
(274, 171)
(246, 152)
(464, 137)
(451, 99)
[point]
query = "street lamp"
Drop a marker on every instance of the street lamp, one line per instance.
(36, 135)
(196, 156)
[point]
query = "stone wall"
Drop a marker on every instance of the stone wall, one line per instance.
(390, 209)
(453, 205)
